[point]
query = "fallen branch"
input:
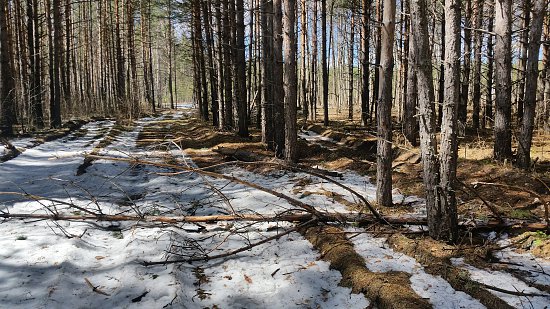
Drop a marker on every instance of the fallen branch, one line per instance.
(41, 198)
(290, 200)
(309, 172)
(233, 252)
(492, 208)
(360, 219)
(302, 217)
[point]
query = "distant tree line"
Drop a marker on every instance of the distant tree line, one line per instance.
(67, 58)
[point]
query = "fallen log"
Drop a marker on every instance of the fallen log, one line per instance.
(359, 219)
(300, 217)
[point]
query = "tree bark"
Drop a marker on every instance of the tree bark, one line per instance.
(503, 89)
(478, 39)
(267, 76)
(447, 225)
(410, 119)
(531, 83)
(242, 106)
(351, 65)
(488, 113)
(365, 62)
(278, 87)
(324, 63)
(522, 66)
(7, 93)
(421, 63)
(290, 80)
(384, 130)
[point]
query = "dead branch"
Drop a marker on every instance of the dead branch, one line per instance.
(360, 219)
(40, 198)
(491, 207)
(301, 217)
(515, 293)
(309, 172)
(290, 200)
(233, 252)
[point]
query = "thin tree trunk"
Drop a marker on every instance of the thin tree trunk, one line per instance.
(522, 66)
(478, 39)
(447, 225)
(324, 63)
(304, 29)
(503, 62)
(267, 77)
(421, 64)
(211, 72)
(410, 121)
(290, 80)
(365, 62)
(350, 64)
(241, 72)
(532, 76)
(384, 131)
(314, 62)
(7, 91)
(488, 114)
(278, 88)
(467, 55)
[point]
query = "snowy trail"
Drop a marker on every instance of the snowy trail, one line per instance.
(42, 268)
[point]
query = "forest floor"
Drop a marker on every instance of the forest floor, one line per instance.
(94, 263)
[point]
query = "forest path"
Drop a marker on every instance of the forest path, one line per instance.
(76, 264)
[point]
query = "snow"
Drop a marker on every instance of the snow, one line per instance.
(40, 267)
(507, 282)
(380, 258)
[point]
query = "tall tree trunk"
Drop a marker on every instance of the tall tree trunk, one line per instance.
(278, 89)
(314, 62)
(241, 72)
(488, 114)
(55, 103)
(324, 63)
(351, 65)
(304, 30)
(267, 77)
(133, 97)
(365, 61)
(532, 76)
(198, 40)
(7, 91)
(447, 226)
(478, 39)
(121, 87)
(421, 63)
(410, 120)
(211, 72)
(220, 64)
(290, 80)
(384, 131)
(378, 50)
(467, 54)
(441, 81)
(522, 66)
(503, 62)
(33, 39)
(228, 74)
